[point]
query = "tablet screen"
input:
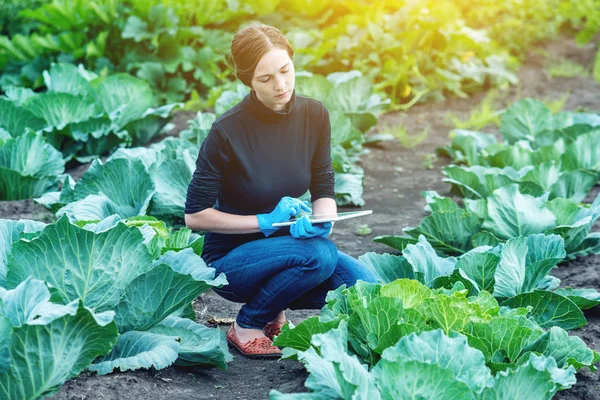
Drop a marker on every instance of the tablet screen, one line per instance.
(315, 219)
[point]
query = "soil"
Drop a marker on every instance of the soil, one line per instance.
(394, 178)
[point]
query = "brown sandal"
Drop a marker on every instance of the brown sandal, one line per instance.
(273, 329)
(256, 348)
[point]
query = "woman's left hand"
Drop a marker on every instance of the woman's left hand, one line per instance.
(304, 229)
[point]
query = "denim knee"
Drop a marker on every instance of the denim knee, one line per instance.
(321, 257)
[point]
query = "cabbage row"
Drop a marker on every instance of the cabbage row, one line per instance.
(516, 273)
(533, 182)
(82, 114)
(409, 50)
(95, 297)
(469, 309)
(404, 340)
(541, 153)
(505, 214)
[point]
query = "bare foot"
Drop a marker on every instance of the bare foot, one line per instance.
(246, 335)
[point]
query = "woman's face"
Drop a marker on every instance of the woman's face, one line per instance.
(274, 79)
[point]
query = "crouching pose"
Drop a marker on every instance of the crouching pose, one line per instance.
(258, 157)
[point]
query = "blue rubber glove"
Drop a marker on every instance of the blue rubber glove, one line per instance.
(304, 229)
(286, 208)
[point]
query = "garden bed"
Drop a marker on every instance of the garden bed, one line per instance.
(394, 178)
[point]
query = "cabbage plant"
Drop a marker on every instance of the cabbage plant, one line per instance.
(29, 167)
(108, 267)
(532, 121)
(132, 182)
(348, 92)
(158, 237)
(45, 343)
(198, 127)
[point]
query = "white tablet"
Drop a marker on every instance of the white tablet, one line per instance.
(315, 219)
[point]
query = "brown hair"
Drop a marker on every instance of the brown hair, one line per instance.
(250, 44)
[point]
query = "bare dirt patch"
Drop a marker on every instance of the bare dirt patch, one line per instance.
(394, 178)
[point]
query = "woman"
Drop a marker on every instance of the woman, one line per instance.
(258, 158)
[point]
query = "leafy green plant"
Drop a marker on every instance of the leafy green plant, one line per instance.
(565, 68)
(406, 139)
(363, 230)
(428, 160)
(159, 238)
(482, 115)
(515, 272)
(84, 115)
(29, 167)
(148, 298)
(229, 98)
(584, 17)
(506, 213)
(198, 127)
(466, 146)
(348, 92)
(172, 57)
(533, 135)
(479, 182)
(132, 182)
(467, 345)
(45, 343)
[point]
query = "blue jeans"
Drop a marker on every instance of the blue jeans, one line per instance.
(273, 274)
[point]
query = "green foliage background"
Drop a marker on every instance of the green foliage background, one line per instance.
(412, 50)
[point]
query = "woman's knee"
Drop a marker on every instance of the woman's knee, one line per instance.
(229, 295)
(321, 255)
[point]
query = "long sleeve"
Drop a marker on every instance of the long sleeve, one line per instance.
(211, 166)
(323, 177)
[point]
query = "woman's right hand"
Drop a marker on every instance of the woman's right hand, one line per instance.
(304, 229)
(286, 208)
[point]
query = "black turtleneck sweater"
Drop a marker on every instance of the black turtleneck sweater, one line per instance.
(253, 156)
